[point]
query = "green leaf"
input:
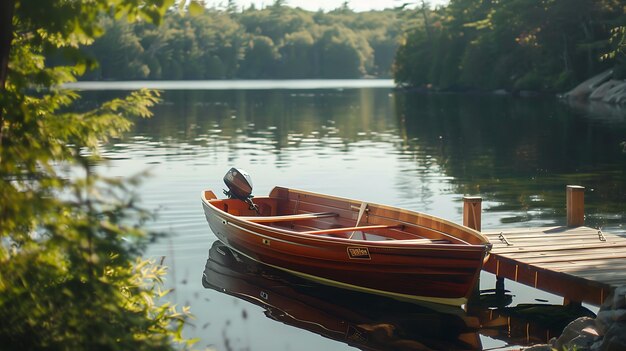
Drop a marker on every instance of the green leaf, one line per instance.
(195, 8)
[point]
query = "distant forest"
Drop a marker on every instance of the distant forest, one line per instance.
(541, 45)
(274, 42)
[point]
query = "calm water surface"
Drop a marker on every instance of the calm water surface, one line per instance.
(420, 152)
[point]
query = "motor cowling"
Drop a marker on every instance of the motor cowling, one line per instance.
(239, 184)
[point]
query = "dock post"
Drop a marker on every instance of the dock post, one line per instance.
(471, 218)
(472, 211)
(569, 302)
(500, 291)
(575, 201)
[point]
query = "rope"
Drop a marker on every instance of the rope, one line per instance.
(503, 239)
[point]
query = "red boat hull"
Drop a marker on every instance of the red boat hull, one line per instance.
(404, 269)
(365, 321)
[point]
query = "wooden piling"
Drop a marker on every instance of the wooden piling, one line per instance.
(472, 211)
(575, 201)
(500, 291)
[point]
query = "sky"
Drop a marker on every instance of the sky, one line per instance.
(326, 5)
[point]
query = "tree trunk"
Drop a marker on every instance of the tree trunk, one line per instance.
(6, 37)
(426, 24)
(588, 31)
(565, 54)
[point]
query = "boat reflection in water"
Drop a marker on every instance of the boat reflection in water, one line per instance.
(365, 321)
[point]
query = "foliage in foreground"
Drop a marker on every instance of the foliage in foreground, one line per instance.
(71, 275)
(513, 45)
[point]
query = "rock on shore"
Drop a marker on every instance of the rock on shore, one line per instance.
(601, 87)
(607, 332)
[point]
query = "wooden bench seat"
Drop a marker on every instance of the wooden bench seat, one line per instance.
(352, 229)
(288, 218)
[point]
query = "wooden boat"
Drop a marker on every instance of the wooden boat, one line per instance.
(364, 321)
(352, 244)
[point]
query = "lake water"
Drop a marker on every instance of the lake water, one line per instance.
(370, 142)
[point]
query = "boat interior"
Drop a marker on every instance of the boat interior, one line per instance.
(308, 213)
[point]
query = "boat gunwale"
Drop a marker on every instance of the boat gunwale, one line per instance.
(385, 244)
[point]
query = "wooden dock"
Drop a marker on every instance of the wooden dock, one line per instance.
(581, 264)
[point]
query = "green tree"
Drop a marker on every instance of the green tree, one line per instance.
(71, 276)
(343, 54)
(221, 40)
(516, 44)
(298, 58)
(617, 51)
(413, 60)
(384, 44)
(276, 21)
(119, 52)
(261, 57)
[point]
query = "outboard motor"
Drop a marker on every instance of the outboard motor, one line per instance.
(239, 184)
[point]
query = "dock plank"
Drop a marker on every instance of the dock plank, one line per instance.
(581, 269)
(564, 237)
(572, 262)
(502, 250)
(565, 252)
(560, 257)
